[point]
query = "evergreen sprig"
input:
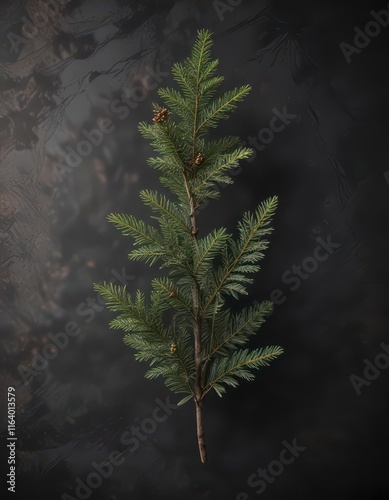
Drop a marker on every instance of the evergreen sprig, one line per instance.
(185, 330)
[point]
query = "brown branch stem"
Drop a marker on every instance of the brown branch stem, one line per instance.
(197, 340)
(200, 431)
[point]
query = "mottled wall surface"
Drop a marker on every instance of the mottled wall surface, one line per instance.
(72, 92)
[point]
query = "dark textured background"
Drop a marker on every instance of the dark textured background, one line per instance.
(329, 167)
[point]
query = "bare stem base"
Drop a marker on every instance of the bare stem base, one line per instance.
(200, 431)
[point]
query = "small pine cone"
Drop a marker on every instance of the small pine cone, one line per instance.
(160, 115)
(171, 295)
(199, 160)
(173, 347)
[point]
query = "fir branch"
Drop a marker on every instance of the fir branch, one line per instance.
(173, 295)
(221, 108)
(253, 227)
(129, 226)
(208, 248)
(215, 172)
(185, 331)
(226, 370)
(164, 206)
(236, 329)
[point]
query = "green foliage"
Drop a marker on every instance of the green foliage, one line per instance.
(186, 331)
(226, 369)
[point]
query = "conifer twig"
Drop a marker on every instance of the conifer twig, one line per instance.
(202, 347)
